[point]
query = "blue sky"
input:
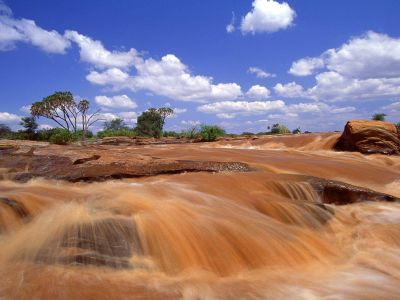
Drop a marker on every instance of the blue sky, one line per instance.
(243, 65)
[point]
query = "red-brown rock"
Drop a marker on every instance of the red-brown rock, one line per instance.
(369, 137)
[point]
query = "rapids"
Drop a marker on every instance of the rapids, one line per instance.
(257, 235)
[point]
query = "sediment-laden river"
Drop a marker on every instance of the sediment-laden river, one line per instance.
(275, 231)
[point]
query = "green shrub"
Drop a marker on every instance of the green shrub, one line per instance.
(210, 133)
(171, 134)
(247, 133)
(60, 136)
(279, 129)
(191, 133)
(119, 132)
(5, 131)
(78, 135)
(20, 135)
(379, 117)
(150, 123)
(296, 131)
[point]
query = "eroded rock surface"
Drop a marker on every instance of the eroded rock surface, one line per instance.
(369, 137)
(91, 163)
(340, 193)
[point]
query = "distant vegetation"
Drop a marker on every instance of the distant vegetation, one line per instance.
(74, 122)
(279, 129)
(379, 117)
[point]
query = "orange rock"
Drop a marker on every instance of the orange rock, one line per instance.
(369, 137)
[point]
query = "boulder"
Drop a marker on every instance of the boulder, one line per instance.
(369, 137)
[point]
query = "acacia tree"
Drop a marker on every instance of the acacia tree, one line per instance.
(59, 107)
(62, 109)
(87, 119)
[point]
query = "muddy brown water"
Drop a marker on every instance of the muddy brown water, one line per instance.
(254, 235)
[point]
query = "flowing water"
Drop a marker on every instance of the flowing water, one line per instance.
(256, 235)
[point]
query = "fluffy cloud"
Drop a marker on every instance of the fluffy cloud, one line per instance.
(332, 86)
(45, 126)
(113, 76)
(267, 16)
(226, 115)
(9, 118)
(244, 107)
(260, 73)
(14, 30)
(93, 52)
(179, 110)
(167, 77)
(258, 92)
(190, 122)
(306, 66)
(276, 109)
(231, 26)
(26, 109)
(290, 90)
(372, 55)
(366, 67)
(119, 101)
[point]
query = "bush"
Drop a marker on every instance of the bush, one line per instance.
(5, 131)
(296, 131)
(119, 132)
(173, 134)
(150, 123)
(247, 133)
(78, 135)
(191, 133)
(60, 136)
(379, 117)
(210, 133)
(279, 129)
(115, 124)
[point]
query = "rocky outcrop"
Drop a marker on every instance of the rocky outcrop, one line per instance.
(340, 193)
(94, 164)
(108, 242)
(369, 137)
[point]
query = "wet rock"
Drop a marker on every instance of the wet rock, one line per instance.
(86, 159)
(106, 242)
(340, 193)
(18, 208)
(93, 164)
(369, 137)
(113, 237)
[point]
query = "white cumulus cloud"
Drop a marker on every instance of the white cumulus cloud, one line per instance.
(113, 76)
(225, 107)
(260, 73)
(93, 52)
(119, 101)
(365, 67)
(14, 30)
(9, 118)
(306, 66)
(267, 16)
(258, 92)
(167, 77)
(290, 90)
